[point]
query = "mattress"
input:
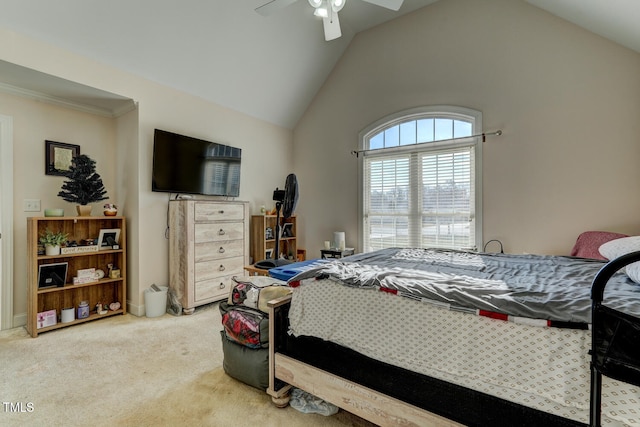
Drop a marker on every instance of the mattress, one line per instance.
(549, 288)
(545, 368)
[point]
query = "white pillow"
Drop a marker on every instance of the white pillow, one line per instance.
(618, 247)
(633, 271)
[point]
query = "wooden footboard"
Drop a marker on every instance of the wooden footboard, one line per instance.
(350, 396)
(361, 401)
(279, 392)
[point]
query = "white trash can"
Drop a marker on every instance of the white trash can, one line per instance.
(155, 303)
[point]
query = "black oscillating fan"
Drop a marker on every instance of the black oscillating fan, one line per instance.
(286, 200)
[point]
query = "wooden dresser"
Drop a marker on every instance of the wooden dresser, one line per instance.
(208, 245)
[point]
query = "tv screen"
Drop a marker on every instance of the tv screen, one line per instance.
(182, 164)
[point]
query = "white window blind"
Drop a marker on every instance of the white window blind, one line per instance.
(388, 200)
(419, 190)
(448, 199)
(421, 199)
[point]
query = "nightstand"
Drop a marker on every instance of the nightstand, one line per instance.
(254, 271)
(336, 253)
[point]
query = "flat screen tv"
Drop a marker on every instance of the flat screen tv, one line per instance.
(182, 164)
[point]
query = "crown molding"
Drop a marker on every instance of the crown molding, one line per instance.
(125, 107)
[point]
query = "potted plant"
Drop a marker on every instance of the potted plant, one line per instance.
(52, 241)
(84, 185)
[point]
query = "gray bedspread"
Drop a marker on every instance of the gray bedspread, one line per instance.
(555, 288)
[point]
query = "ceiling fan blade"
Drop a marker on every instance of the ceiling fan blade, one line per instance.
(332, 27)
(273, 6)
(389, 4)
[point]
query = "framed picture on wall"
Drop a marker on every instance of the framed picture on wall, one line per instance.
(58, 157)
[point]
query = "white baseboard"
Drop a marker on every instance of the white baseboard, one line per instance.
(19, 320)
(136, 310)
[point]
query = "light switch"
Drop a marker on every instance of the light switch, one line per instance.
(31, 205)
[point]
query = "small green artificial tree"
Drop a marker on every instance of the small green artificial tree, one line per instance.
(84, 185)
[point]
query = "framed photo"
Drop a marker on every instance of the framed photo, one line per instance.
(269, 253)
(52, 275)
(287, 230)
(268, 234)
(109, 238)
(58, 157)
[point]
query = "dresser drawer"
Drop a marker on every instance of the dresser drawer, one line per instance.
(218, 211)
(213, 289)
(217, 232)
(213, 279)
(211, 269)
(209, 251)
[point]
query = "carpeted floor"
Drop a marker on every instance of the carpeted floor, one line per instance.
(134, 371)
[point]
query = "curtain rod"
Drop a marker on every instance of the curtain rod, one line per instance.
(484, 136)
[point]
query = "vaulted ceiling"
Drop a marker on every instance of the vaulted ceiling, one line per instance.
(222, 50)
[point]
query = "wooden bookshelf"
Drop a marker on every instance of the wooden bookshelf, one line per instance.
(262, 241)
(105, 290)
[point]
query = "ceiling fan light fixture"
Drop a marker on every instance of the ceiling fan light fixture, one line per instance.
(322, 12)
(315, 3)
(337, 5)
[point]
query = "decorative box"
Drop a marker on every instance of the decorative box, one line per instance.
(86, 273)
(47, 318)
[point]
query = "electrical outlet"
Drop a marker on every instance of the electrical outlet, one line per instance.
(31, 205)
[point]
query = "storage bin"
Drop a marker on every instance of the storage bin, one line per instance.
(248, 365)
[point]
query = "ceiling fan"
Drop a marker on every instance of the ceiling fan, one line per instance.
(327, 10)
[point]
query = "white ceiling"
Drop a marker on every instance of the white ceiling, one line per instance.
(222, 50)
(616, 20)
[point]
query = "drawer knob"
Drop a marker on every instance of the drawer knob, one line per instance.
(221, 268)
(221, 250)
(221, 232)
(222, 285)
(221, 211)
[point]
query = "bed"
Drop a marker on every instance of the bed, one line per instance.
(441, 337)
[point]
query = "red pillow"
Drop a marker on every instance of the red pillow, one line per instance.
(589, 242)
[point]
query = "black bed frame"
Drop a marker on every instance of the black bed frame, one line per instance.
(615, 345)
(615, 353)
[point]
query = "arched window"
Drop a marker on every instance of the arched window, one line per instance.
(420, 179)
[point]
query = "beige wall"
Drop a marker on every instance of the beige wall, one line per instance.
(267, 154)
(567, 100)
(33, 123)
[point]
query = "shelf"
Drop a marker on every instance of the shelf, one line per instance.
(76, 219)
(69, 286)
(91, 317)
(103, 252)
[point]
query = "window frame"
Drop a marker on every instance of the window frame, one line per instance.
(425, 112)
